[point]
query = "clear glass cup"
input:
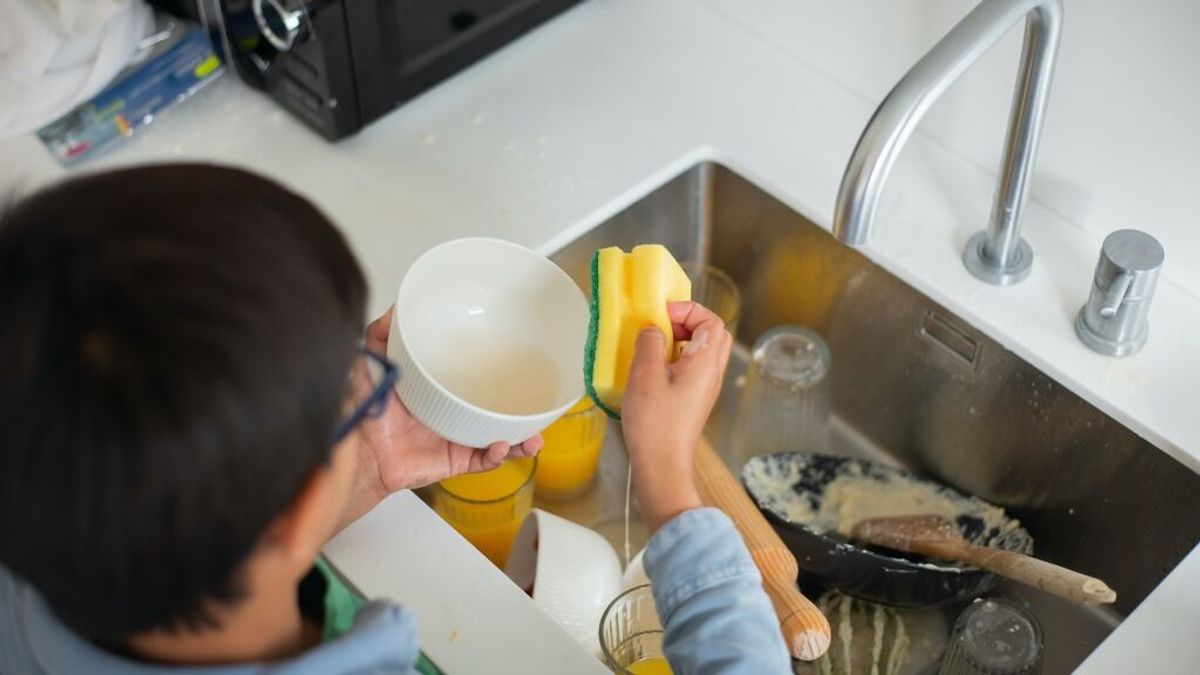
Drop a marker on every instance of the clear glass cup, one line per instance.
(568, 461)
(715, 290)
(631, 635)
(994, 637)
(785, 403)
(487, 508)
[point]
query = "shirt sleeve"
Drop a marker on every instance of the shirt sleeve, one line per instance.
(716, 616)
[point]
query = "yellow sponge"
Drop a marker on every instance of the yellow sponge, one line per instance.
(630, 292)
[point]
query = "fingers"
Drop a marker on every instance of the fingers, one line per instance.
(491, 457)
(726, 350)
(686, 317)
(497, 453)
(377, 332)
(649, 357)
(486, 459)
(705, 355)
(723, 356)
(707, 337)
(532, 446)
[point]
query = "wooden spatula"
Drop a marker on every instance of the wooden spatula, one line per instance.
(937, 537)
(805, 628)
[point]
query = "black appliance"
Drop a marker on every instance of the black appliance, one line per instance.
(340, 64)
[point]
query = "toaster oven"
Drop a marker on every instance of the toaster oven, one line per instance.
(339, 64)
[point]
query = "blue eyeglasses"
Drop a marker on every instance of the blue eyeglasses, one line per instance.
(383, 374)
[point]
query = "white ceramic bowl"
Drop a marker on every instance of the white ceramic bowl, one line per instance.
(573, 571)
(489, 338)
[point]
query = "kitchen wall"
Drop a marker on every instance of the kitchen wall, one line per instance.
(1121, 143)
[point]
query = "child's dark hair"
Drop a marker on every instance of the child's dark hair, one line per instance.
(175, 342)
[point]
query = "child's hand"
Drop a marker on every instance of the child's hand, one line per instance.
(397, 452)
(665, 408)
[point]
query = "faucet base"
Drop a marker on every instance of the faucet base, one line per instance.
(1102, 345)
(983, 268)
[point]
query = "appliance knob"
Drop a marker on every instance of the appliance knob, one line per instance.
(279, 22)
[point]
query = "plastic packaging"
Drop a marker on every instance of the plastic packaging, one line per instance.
(182, 63)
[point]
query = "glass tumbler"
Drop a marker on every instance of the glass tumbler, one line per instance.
(631, 635)
(785, 404)
(715, 290)
(994, 637)
(568, 461)
(487, 508)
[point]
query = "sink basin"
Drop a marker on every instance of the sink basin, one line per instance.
(916, 386)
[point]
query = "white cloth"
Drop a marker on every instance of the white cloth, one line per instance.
(55, 54)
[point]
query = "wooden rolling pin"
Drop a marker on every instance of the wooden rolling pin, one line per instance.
(937, 537)
(805, 629)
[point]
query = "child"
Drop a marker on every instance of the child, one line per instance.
(189, 412)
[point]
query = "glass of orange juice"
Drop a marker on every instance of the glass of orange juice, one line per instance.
(568, 461)
(487, 508)
(631, 635)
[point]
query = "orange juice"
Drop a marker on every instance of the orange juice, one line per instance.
(655, 665)
(487, 508)
(567, 463)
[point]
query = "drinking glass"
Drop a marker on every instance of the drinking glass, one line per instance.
(567, 463)
(785, 404)
(994, 637)
(715, 290)
(487, 508)
(631, 635)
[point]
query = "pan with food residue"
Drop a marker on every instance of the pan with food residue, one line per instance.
(814, 500)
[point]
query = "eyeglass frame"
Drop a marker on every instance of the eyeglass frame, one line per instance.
(374, 405)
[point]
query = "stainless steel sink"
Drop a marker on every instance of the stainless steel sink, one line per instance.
(917, 386)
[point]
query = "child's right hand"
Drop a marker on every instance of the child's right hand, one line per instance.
(665, 408)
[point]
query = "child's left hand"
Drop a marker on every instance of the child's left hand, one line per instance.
(397, 452)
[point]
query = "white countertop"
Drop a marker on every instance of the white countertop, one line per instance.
(556, 133)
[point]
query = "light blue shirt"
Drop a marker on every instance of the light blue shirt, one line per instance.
(716, 616)
(716, 619)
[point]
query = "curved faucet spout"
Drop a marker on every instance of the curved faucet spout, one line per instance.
(997, 255)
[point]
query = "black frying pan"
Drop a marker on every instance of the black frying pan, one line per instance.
(830, 559)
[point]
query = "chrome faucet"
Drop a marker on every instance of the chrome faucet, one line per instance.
(997, 255)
